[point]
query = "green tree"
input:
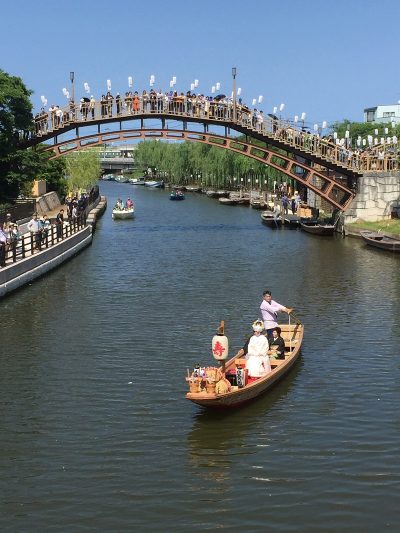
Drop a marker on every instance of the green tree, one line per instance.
(83, 170)
(18, 166)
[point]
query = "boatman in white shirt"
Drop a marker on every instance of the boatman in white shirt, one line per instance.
(269, 311)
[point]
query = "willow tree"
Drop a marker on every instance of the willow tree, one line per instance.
(83, 170)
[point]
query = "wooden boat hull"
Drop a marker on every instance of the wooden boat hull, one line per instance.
(269, 220)
(123, 215)
(381, 241)
(238, 397)
(176, 197)
(318, 229)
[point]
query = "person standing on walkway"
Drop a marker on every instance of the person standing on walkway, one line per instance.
(269, 311)
(34, 228)
(60, 223)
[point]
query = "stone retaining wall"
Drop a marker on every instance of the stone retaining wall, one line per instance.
(378, 197)
(26, 270)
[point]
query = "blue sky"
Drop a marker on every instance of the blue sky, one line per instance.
(329, 59)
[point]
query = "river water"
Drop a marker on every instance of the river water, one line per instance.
(95, 432)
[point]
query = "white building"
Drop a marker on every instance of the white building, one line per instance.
(383, 114)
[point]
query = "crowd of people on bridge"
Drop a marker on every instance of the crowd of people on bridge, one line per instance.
(218, 108)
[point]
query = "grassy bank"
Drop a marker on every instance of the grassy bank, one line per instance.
(386, 226)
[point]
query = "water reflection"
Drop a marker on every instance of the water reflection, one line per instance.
(218, 438)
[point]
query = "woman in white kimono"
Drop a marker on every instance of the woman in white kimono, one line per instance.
(257, 359)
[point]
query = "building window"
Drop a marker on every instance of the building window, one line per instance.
(387, 114)
(370, 116)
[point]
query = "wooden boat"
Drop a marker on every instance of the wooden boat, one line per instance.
(123, 214)
(317, 228)
(155, 184)
(271, 220)
(136, 181)
(226, 201)
(380, 240)
(176, 195)
(193, 188)
(293, 336)
(256, 203)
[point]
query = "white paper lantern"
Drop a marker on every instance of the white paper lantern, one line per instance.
(218, 86)
(196, 83)
(315, 127)
(274, 111)
(108, 85)
(239, 91)
(130, 81)
(220, 347)
(296, 118)
(335, 135)
(260, 99)
(213, 89)
(386, 131)
(388, 140)
(281, 107)
(347, 134)
(376, 132)
(375, 141)
(42, 98)
(171, 84)
(324, 124)
(303, 116)
(64, 91)
(382, 140)
(364, 142)
(394, 139)
(192, 86)
(174, 79)
(358, 142)
(254, 101)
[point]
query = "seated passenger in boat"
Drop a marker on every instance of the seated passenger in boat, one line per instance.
(276, 345)
(258, 363)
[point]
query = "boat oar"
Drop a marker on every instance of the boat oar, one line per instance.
(298, 321)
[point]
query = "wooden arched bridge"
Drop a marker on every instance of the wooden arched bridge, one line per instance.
(328, 169)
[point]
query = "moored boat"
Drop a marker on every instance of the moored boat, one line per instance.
(203, 384)
(155, 184)
(381, 241)
(136, 181)
(317, 228)
(272, 220)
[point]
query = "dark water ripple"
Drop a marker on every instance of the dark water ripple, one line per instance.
(95, 434)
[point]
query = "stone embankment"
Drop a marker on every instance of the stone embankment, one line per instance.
(32, 266)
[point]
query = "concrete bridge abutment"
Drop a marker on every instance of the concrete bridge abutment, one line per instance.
(378, 198)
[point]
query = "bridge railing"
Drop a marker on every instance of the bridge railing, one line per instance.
(56, 119)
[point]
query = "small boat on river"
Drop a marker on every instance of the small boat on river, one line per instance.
(203, 383)
(381, 241)
(177, 196)
(317, 228)
(123, 214)
(136, 181)
(271, 220)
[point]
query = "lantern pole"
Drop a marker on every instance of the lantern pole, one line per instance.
(234, 92)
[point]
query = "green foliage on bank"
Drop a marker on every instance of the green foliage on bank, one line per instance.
(19, 166)
(191, 162)
(83, 170)
(385, 226)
